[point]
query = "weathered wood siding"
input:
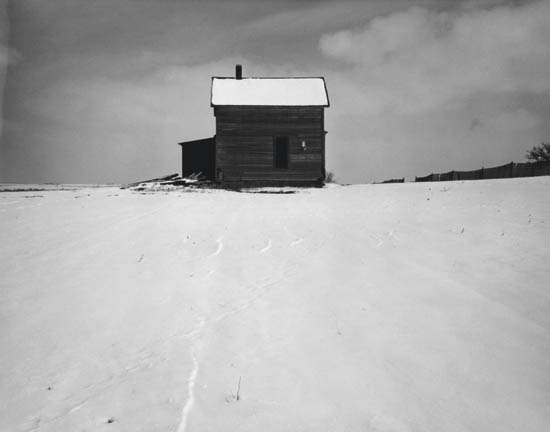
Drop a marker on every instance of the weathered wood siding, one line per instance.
(245, 143)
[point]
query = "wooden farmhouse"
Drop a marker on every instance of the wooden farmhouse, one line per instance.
(269, 132)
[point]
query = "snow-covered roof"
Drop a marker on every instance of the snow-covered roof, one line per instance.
(269, 91)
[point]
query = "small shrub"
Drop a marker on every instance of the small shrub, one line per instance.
(329, 177)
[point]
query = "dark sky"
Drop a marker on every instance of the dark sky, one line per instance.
(101, 91)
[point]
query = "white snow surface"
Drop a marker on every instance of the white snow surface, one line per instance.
(410, 307)
(269, 91)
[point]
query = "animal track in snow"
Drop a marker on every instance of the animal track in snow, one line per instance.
(190, 394)
(220, 247)
(296, 242)
(268, 246)
(192, 379)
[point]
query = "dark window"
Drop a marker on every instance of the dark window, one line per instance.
(280, 151)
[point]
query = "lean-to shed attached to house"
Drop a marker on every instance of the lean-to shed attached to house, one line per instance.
(269, 131)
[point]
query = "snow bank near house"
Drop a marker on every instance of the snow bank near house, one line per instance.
(413, 307)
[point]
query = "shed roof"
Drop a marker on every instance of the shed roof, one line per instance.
(269, 92)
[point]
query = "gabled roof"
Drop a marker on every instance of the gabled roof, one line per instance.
(269, 92)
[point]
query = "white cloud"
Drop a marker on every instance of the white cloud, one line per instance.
(419, 59)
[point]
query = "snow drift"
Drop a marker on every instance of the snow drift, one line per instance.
(415, 307)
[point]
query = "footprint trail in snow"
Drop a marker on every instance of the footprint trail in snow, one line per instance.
(267, 247)
(192, 378)
(219, 248)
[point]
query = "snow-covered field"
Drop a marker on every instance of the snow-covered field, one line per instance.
(414, 307)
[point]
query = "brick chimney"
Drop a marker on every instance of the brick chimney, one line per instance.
(238, 72)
